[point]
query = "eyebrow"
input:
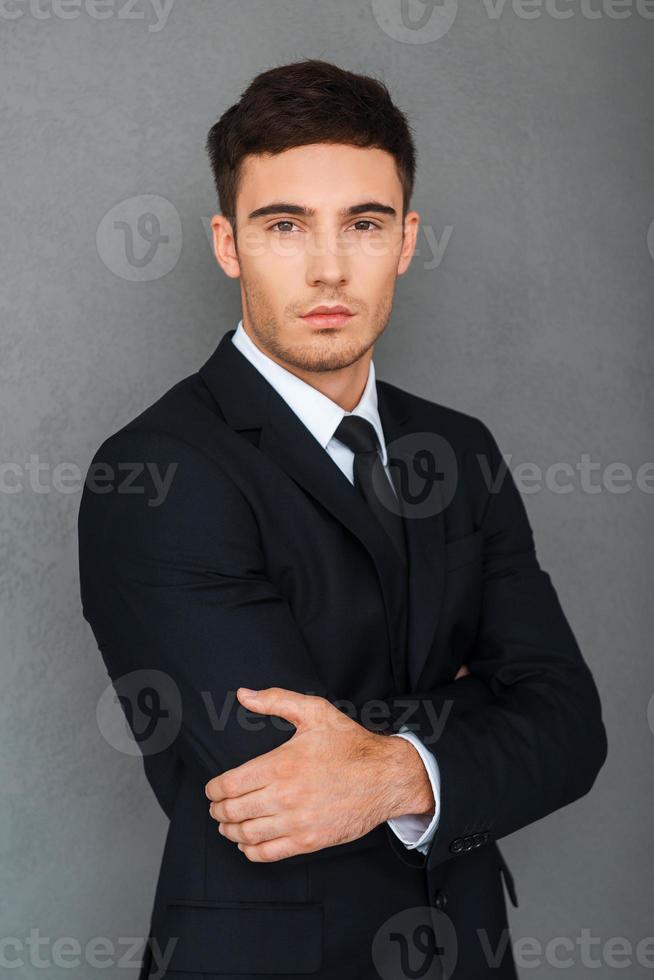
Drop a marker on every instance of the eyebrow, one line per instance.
(278, 207)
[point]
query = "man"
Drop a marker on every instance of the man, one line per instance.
(369, 676)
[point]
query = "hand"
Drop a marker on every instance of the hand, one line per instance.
(461, 672)
(332, 782)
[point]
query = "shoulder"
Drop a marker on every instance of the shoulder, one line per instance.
(178, 413)
(178, 448)
(184, 424)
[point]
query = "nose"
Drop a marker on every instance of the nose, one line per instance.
(326, 258)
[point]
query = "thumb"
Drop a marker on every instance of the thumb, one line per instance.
(279, 701)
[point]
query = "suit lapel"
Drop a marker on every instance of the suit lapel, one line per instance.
(425, 533)
(286, 440)
(249, 402)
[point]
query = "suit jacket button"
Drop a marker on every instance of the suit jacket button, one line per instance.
(456, 845)
(440, 899)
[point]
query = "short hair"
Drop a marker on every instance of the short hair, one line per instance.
(308, 101)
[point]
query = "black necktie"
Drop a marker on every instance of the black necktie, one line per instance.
(360, 436)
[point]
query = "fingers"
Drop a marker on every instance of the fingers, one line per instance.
(246, 807)
(251, 831)
(270, 850)
(302, 710)
(251, 775)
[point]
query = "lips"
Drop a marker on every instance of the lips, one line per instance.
(324, 317)
(329, 311)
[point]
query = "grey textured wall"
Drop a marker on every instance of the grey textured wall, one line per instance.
(530, 305)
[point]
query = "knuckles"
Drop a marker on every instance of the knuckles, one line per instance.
(229, 810)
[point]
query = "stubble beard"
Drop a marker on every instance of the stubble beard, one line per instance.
(330, 349)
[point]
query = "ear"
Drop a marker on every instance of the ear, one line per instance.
(224, 246)
(411, 226)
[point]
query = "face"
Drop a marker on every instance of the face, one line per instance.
(317, 225)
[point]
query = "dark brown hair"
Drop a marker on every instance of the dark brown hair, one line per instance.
(309, 101)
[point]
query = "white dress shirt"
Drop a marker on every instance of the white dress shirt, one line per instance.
(321, 416)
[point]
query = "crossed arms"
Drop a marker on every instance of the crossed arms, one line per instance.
(165, 589)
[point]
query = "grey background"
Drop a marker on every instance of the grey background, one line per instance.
(536, 150)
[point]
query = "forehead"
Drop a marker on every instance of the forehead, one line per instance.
(322, 175)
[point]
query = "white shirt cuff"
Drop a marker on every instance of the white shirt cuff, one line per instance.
(416, 830)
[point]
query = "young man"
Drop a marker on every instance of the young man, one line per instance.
(357, 556)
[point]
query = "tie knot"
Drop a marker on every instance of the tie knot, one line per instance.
(357, 434)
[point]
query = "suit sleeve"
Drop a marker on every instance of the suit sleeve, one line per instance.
(525, 735)
(178, 589)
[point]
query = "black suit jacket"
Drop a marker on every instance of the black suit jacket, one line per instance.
(262, 566)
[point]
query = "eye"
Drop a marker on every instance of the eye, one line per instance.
(284, 221)
(365, 221)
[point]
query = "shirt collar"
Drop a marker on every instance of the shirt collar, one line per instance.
(316, 411)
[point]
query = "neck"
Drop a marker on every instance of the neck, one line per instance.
(345, 385)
